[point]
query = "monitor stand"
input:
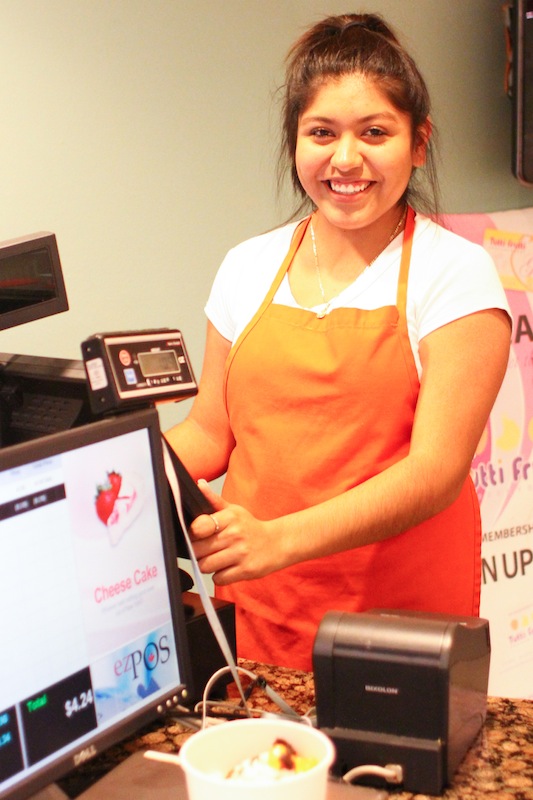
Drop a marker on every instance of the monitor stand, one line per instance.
(136, 778)
(139, 778)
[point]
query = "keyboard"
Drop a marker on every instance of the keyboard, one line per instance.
(42, 414)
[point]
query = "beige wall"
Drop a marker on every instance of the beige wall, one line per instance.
(143, 133)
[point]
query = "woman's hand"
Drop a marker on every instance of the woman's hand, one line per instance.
(231, 543)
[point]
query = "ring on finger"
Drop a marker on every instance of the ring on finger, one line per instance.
(215, 523)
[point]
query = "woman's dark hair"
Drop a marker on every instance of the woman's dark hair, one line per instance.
(363, 44)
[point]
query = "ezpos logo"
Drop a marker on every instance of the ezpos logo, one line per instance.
(140, 664)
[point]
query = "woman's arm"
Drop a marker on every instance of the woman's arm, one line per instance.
(463, 365)
(204, 440)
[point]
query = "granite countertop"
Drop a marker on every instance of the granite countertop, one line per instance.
(499, 764)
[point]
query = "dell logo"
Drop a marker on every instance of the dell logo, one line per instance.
(84, 755)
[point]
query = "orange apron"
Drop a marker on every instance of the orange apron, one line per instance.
(318, 406)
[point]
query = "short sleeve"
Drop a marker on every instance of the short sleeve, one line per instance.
(244, 278)
(456, 278)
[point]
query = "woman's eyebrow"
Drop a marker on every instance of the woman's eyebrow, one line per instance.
(386, 115)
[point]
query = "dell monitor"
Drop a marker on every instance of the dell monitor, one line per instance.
(92, 622)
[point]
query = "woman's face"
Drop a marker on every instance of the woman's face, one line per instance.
(355, 152)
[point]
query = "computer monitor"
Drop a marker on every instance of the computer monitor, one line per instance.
(92, 625)
(31, 280)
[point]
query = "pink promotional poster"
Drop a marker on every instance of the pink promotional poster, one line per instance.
(502, 469)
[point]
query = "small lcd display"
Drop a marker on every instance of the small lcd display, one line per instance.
(27, 278)
(31, 280)
(158, 362)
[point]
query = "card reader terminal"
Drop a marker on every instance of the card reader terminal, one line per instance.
(134, 368)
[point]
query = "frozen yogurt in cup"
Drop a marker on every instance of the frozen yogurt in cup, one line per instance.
(212, 761)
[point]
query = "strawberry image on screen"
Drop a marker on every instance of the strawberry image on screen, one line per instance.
(117, 503)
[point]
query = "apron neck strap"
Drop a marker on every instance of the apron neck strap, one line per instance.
(401, 298)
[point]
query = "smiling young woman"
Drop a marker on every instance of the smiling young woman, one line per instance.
(352, 359)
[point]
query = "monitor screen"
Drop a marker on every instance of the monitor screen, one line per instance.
(92, 626)
(31, 280)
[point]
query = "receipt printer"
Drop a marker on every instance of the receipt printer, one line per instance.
(402, 687)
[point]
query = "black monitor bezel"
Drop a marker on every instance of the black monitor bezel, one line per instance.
(44, 308)
(45, 447)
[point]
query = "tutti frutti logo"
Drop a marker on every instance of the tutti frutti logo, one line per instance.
(521, 625)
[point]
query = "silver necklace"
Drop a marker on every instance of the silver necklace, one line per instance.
(327, 303)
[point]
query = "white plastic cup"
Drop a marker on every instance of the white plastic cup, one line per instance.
(209, 755)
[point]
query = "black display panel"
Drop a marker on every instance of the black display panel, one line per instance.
(522, 89)
(93, 629)
(31, 280)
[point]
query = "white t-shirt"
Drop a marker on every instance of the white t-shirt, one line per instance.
(449, 277)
